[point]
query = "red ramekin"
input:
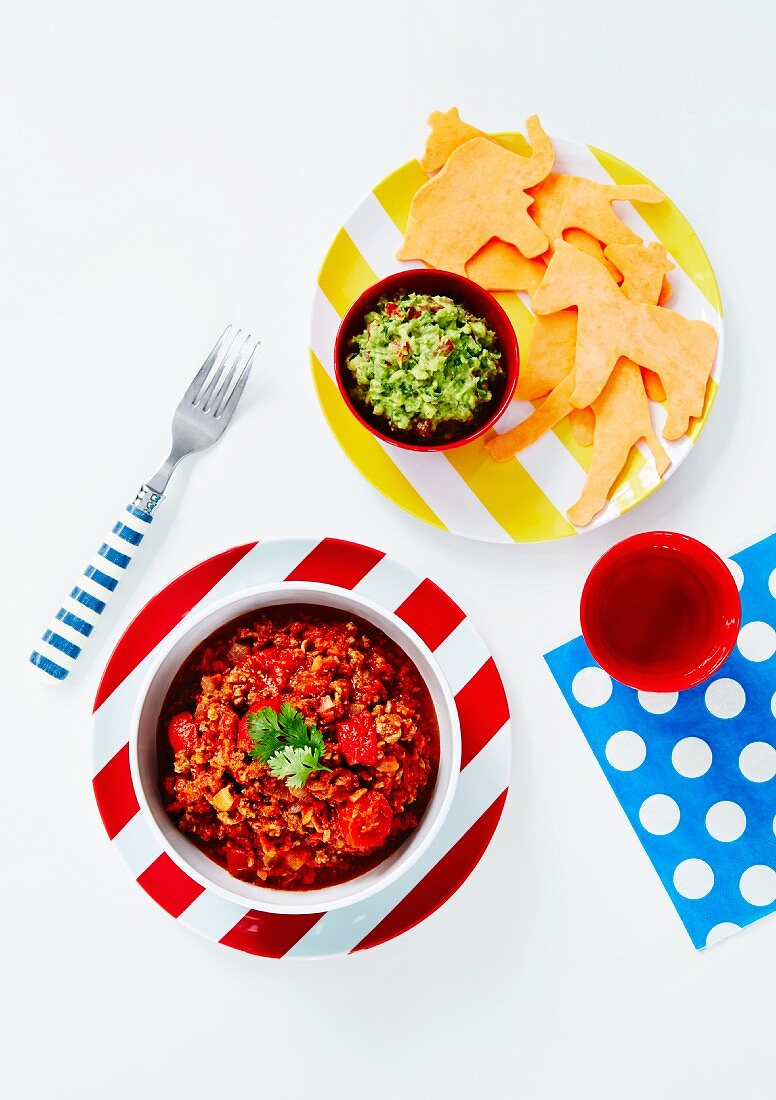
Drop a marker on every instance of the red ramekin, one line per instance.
(426, 280)
(721, 637)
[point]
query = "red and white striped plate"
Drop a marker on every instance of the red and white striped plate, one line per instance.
(485, 728)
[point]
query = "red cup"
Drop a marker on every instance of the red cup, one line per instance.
(426, 280)
(660, 612)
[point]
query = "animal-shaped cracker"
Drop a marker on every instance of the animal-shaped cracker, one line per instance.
(681, 352)
(570, 202)
(620, 416)
(448, 131)
(479, 194)
(643, 267)
(621, 419)
(499, 266)
(550, 354)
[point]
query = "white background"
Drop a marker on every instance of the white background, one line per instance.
(169, 166)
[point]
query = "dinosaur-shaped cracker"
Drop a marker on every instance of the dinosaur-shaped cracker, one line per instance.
(620, 416)
(681, 352)
(570, 202)
(479, 194)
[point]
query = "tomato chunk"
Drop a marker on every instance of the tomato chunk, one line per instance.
(244, 740)
(238, 860)
(182, 732)
(365, 823)
(357, 739)
(278, 665)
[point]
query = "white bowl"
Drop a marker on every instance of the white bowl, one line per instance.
(143, 754)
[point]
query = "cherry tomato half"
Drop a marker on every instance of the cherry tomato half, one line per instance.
(182, 732)
(365, 823)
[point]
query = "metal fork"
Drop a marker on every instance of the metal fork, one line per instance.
(200, 419)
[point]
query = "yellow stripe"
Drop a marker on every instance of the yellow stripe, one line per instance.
(633, 482)
(519, 314)
(345, 273)
(365, 452)
(668, 223)
(396, 191)
(583, 455)
(509, 493)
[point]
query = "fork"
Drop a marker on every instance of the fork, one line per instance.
(199, 420)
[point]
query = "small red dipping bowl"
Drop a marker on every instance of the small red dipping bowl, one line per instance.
(660, 612)
(425, 280)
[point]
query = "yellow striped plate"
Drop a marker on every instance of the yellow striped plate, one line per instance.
(463, 490)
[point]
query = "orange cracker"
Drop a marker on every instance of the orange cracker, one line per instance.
(652, 385)
(448, 131)
(564, 202)
(621, 419)
(609, 325)
(643, 267)
(582, 240)
(550, 355)
(620, 415)
(549, 413)
(499, 266)
(582, 426)
(479, 194)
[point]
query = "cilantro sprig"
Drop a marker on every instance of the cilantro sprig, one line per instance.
(283, 741)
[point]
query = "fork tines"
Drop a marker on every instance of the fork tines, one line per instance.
(210, 393)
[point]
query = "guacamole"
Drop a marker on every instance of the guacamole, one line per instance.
(425, 364)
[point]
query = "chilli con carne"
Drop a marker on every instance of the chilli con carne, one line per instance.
(345, 679)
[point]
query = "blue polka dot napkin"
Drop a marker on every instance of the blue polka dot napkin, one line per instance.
(695, 771)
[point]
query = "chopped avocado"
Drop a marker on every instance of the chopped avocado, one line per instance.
(424, 361)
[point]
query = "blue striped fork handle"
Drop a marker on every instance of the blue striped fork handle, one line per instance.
(200, 420)
(61, 643)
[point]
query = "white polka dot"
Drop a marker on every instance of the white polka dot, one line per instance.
(758, 885)
(592, 687)
(726, 821)
(693, 878)
(659, 814)
(774, 824)
(725, 698)
(691, 757)
(757, 641)
(721, 932)
(773, 704)
(658, 702)
(772, 583)
(625, 750)
(737, 571)
(758, 761)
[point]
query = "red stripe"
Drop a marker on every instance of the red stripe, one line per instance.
(334, 561)
(169, 886)
(482, 709)
(431, 613)
(115, 794)
(269, 934)
(161, 614)
(441, 882)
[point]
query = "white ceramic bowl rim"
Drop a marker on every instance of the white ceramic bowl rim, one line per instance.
(172, 653)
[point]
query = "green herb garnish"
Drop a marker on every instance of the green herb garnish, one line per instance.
(286, 744)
